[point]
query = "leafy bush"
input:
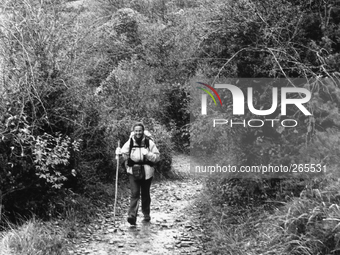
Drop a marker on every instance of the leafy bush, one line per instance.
(50, 153)
(174, 113)
(163, 141)
(37, 110)
(253, 39)
(28, 181)
(249, 192)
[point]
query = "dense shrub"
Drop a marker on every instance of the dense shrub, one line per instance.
(253, 39)
(174, 113)
(37, 116)
(33, 168)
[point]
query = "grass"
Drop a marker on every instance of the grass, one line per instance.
(33, 238)
(305, 225)
(36, 237)
(69, 212)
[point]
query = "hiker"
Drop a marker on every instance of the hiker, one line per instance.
(140, 153)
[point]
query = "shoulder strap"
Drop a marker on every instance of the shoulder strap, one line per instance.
(131, 145)
(147, 142)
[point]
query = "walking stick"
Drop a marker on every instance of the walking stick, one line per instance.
(116, 188)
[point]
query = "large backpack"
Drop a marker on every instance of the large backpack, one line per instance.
(146, 144)
(147, 134)
(148, 137)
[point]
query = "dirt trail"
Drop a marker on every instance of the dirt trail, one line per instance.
(174, 227)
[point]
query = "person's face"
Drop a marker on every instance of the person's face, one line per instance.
(138, 131)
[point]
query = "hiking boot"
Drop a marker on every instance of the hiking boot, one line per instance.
(146, 219)
(132, 220)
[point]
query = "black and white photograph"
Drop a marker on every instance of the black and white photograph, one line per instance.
(169, 127)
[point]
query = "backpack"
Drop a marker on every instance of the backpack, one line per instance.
(148, 137)
(147, 134)
(146, 144)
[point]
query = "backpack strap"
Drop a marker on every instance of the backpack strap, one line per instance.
(130, 147)
(146, 145)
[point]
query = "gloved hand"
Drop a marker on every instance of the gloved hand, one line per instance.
(144, 151)
(118, 151)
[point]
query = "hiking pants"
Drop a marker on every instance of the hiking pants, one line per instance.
(141, 187)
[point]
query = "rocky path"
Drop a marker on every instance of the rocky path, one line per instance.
(174, 227)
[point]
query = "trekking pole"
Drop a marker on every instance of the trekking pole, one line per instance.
(116, 186)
